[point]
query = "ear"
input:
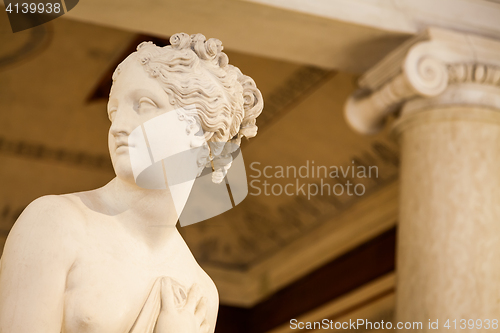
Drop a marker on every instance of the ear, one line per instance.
(196, 133)
(197, 130)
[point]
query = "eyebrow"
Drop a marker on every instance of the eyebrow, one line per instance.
(139, 93)
(147, 93)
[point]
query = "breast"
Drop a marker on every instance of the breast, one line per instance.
(108, 301)
(109, 283)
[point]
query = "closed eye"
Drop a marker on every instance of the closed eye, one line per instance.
(147, 101)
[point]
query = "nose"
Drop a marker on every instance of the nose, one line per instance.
(122, 123)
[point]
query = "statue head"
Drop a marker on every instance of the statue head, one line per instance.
(193, 74)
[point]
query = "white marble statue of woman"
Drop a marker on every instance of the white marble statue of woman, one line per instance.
(111, 260)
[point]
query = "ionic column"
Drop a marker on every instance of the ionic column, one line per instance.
(444, 89)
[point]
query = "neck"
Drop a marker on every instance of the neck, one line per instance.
(149, 214)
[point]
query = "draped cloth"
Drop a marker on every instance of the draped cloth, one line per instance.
(146, 321)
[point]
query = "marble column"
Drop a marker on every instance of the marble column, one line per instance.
(443, 89)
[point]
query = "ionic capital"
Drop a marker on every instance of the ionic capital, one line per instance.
(428, 66)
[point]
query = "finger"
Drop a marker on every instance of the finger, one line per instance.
(193, 297)
(201, 310)
(167, 294)
(180, 296)
(204, 327)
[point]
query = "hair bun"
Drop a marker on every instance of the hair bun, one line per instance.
(180, 41)
(253, 105)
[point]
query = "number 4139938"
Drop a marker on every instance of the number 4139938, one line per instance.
(40, 8)
(471, 324)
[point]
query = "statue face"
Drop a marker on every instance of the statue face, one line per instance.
(135, 98)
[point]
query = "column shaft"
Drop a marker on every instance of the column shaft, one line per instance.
(448, 259)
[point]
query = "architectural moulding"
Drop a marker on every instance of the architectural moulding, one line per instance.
(402, 16)
(429, 65)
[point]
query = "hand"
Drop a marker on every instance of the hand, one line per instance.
(181, 313)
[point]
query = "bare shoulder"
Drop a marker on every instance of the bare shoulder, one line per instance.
(57, 213)
(210, 292)
(48, 225)
(212, 297)
(204, 279)
(38, 254)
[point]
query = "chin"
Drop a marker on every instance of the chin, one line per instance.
(123, 169)
(125, 177)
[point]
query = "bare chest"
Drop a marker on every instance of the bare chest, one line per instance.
(108, 285)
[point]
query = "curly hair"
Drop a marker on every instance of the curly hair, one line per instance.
(195, 71)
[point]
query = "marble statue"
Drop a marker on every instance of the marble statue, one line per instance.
(111, 259)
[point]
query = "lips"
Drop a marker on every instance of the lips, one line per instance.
(121, 143)
(118, 145)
